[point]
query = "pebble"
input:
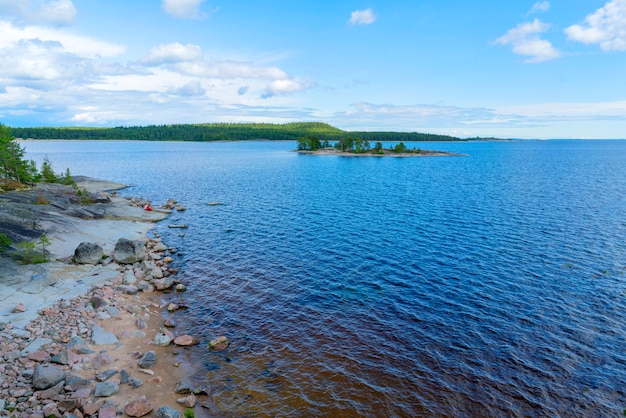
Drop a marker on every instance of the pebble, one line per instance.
(19, 308)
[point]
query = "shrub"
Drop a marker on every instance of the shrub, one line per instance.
(4, 242)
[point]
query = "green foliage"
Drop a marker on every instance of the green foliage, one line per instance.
(13, 166)
(222, 132)
(189, 413)
(309, 143)
(345, 144)
(27, 251)
(44, 241)
(47, 174)
(4, 242)
(400, 147)
(378, 147)
(67, 179)
(85, 198)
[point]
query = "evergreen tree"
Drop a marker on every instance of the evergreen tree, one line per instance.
(13, 166)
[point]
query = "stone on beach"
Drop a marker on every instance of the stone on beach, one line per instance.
(186, 340)
(162, 340)
(100, 337)
(19, 308)
(218, 344)
(188, 401)
(183, 387)
(106, 389)
(148, 360)
(163, 284)
(139, 407)
(167, 412)
(46, 376)
(88, 253)
(129, 251)
(105, 375)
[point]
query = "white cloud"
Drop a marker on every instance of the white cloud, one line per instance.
(525, 41)
(287, 86)
(172, 53)
(184, 9)
(66, 42)
(606, 27)
(541, 6)
(362, 17)
(40, 11)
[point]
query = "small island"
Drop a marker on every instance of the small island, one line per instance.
(357, 147)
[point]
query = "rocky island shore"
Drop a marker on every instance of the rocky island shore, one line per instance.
(84, 334)
(382, 153)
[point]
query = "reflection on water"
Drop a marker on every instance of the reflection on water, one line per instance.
(486, 285)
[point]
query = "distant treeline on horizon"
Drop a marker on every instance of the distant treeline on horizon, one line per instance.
(220, 132)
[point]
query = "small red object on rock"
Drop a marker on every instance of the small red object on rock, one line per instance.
(147, 207)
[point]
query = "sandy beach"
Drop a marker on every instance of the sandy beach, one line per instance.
(91, 339)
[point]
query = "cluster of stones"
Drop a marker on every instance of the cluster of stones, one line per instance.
(41, 365)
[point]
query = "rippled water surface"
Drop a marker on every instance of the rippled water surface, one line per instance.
(492, 284)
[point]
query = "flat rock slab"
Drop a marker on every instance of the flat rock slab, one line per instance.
(94, 185)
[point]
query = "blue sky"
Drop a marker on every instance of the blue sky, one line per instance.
(519, 69)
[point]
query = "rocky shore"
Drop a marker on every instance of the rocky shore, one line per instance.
(84, 334)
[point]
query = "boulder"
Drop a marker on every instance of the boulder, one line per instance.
(129, 251)
(46, 376)
(88, 253)
(139, 407)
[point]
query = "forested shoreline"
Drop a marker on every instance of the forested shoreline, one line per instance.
(221, 132)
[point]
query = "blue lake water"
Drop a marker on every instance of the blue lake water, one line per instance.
(492, 284)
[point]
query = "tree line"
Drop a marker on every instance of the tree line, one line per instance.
(220, 132)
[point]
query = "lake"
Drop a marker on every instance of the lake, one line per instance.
(490, 284)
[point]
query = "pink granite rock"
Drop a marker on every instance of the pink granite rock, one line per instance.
(139, 407)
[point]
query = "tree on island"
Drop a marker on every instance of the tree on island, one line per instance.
(400, 148)
(309, 143)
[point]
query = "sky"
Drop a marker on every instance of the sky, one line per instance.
(512, 69)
